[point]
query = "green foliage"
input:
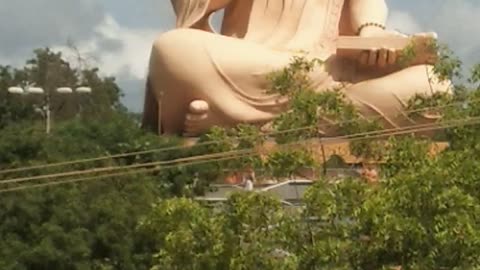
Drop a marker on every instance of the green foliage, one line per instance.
(286, 163)
(465, 106)
(421, 217)
(407, 55)
(293, 82)
(313, 113)
(242, 235)
(433, 104)
(406, 153)
(184, 246)
(423, 214)
(331, 229)
(12, 108)
(474, 78)
(448, 66)
(242, 148)
(49, 70)
(77, 226)
(421, 220)
(253, 241)
(293, 78)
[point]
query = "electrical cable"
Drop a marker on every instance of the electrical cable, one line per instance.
(472, 121)
(412, 129)
(172, 148)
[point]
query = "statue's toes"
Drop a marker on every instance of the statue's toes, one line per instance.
(198, 107)
(196, 120)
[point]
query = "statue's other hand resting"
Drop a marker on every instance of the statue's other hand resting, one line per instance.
(199, 78)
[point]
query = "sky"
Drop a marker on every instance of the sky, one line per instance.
(116, 35)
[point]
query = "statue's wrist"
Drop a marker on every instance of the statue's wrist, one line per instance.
(370, 28)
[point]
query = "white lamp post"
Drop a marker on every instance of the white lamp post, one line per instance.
(45, 109)
(84, 90)
(64, 90)
(16, 90)
(34, 90)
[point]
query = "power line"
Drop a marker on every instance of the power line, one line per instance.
(411, 129)
(166, 149)
(142, 171)
(134, 166)
(471, 121)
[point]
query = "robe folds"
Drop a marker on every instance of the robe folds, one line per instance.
(229, 69)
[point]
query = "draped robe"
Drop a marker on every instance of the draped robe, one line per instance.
(256, 38)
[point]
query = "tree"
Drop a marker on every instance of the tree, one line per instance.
(88, 225)
(422, 214)
(243, 235)
(422, 217)
(12, 109)
(48, 69)
(74, 226)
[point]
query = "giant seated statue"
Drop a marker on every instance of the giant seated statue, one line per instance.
(199, 78)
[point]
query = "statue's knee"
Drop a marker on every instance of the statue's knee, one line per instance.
(176, 54)
(175, 41)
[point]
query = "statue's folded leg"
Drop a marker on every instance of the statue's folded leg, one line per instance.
(386, 97)
(228, 74)
(228, 77)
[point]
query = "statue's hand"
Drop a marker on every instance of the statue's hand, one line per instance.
(381, 57)
(384, 57)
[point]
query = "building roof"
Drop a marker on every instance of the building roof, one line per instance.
(289, 192)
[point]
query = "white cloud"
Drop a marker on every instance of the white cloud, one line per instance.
(135, 52)
(456, 23)
(26, 25)
(121, 52)
(129, 58)
(403, 22)
(117, 50)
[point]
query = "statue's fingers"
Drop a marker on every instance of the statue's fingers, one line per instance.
(372, 57)
(363, 59)
(382, 58)
(392, 56)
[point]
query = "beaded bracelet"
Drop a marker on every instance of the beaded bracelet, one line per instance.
(370, 24)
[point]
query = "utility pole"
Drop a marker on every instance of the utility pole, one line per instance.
(48, 113)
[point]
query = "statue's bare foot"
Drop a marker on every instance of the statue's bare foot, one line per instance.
(196, 118)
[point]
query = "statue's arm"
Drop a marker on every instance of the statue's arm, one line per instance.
(363, 12)
(370, 17)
